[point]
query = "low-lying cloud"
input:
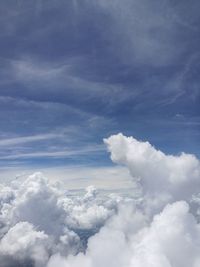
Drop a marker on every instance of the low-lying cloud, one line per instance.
(43, 225)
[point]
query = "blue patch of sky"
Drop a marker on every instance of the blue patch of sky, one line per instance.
(83, 70)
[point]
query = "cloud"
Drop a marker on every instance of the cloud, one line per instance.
(55, 57)
(44, 219)
(50, 77)
(28, 139)
(23, 243)
(144, 34)
(44, 225)
(62, 142)
(56, 154)
(162, 177)
(74, 176)
(171, 239)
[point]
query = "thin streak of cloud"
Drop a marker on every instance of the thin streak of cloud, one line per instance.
(56, 154)
(28, 139)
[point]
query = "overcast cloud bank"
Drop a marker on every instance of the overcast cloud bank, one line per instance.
(43, 225)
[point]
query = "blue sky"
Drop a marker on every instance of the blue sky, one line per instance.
(74, 72)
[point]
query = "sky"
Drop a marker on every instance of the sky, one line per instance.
(99, 133)
(74, 72)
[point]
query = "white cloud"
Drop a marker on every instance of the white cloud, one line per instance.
(171, 239)
(162, 177)
(39, 75)
(36, 210)
(56, 154)
(28, 139)
(22, 242)
(43, 225)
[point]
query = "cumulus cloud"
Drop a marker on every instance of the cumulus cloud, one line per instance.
(38, 219)
(160, 176)
(44, 225)
(22, 243)
(171, 239)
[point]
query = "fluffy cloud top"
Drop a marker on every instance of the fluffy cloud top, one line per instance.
(23, 243)
(43, 225)
(161, 176)
(39, 218)
(171, 239)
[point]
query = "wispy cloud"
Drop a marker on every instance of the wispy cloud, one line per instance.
(26, 69)
(57, 154)
(28, 139)
(64, 78)
(116, 69)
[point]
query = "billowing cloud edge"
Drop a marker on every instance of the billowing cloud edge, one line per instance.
(43, 225)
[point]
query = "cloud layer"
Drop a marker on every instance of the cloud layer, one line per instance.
(38, 219)
(44, 225)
